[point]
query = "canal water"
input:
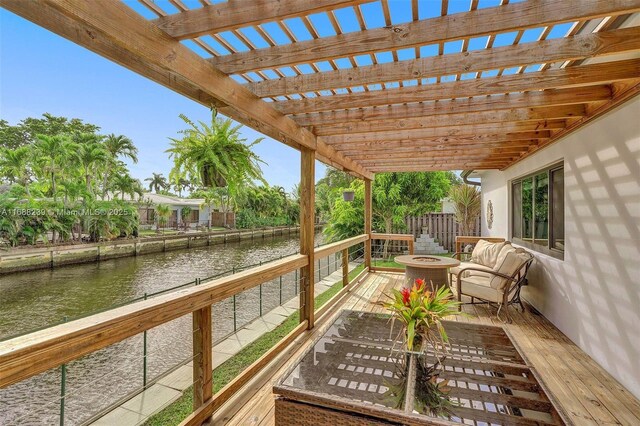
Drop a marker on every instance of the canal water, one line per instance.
(38, 299)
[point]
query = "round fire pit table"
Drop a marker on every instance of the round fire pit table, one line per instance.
(432, 269)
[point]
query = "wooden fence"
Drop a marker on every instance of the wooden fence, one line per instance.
(441, 226)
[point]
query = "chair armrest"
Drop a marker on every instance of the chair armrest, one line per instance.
(459, 254)
(497, 274)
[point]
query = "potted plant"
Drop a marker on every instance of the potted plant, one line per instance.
(420, 312)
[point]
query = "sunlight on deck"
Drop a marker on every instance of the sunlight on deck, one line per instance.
(582, 391)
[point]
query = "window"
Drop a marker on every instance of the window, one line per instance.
(537, 211)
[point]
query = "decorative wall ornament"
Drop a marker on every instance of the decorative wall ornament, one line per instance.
(489, 214)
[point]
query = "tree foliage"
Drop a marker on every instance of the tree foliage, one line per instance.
(467, 204)
(395, 196)
(57, 168)
(214, 154)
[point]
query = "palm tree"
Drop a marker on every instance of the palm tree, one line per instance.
(125, 184)
(163, 212)
(14, 165)
(53, 152)
(180, 185)
(92, 155)
(467, 204)
(157, 182)
(116, 147)
(214, 154)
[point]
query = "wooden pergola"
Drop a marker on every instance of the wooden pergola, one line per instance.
(376, 99)
(391, 98)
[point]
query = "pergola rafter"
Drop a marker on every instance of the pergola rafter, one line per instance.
(320, 92)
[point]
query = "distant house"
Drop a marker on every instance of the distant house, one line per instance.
(185, 212)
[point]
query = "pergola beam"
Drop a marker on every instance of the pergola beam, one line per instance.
(118, 33)
(506, 116)
(459, 26)
(220, 17)
(585, 75)
(540, 52)
(545, 98)
(513, 139)
(453, 131)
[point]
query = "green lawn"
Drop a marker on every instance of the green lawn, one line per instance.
(179, 410)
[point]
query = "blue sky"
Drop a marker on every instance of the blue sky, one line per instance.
(42, 72)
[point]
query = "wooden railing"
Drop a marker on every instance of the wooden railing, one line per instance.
(408, 238)
(26, 356)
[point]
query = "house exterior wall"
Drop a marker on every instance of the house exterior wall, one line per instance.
(593, 295)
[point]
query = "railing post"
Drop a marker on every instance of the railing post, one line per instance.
(345, 267)
(202, 359)
(144, 352)
(367, 222)
(63, 387)
(235, 316)
(307, 233)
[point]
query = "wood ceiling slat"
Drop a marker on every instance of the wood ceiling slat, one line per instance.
(545, 98)
(506, 116)
(418, 151)
(238, 14)
(555, 50)
(595, 74)
(99, 26)
(438, 141)
(479, 129)
(477, 23)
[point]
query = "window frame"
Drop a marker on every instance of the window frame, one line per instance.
(547, 249)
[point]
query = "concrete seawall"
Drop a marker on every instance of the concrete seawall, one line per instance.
(28, 259)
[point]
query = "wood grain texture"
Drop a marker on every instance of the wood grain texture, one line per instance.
(307, 233)
(220, 17)
(522, 54)
(368, 218)
(585, 75)
(514, 115)
(120, 34)
(329, 249)
(453, 131)
(202, 361)
(510, 17)
(545, 98)
(25, 356)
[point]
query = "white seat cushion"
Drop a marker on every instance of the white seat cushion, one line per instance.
(464, 265)
(480, 287)
(486, 253)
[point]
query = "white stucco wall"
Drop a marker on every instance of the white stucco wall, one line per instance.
(593, 295)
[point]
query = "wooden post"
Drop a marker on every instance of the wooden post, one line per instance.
(345, 267)
(202, 362)
(367, 222)
(307, 228)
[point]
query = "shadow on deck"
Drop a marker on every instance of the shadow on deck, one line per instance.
(582, 391)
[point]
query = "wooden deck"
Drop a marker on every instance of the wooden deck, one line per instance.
(582, 391)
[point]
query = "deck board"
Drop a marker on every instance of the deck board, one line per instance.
(584, 392)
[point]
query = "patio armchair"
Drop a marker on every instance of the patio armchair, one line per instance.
(501, 286)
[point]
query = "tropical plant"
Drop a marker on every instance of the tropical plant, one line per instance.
(180, 184)
(117, 147)
(163, 212)
(467, 205)
(92, 154)
(421, 312)
(14, 165)
(157, 182)
(125, 184)
(214, 155)
(52, 153)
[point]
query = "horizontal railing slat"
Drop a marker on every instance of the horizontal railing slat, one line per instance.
(395, 237)
(25, 356)
(329, 249)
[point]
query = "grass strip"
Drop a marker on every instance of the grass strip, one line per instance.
(230, 369)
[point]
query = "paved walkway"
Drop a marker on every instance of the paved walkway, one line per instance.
(138, 409)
